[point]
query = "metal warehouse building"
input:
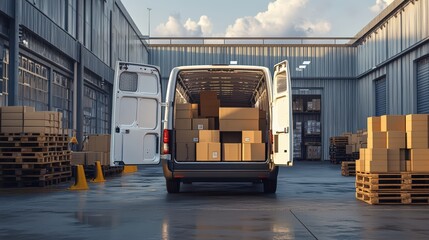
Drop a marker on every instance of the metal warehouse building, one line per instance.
(59, 55)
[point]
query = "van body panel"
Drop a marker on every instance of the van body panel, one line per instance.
(136, 119)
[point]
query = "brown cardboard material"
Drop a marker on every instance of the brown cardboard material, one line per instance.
(208, 136)
(376, 154)
(377, 140)
(419, 155)
(183, 106)
(238, 125)
(11, 116)
(195, 110)
(231, 113)
(251, 137)
(416, 123)
(183, 124)
(12, 123)
(418, 140)
(43, 115)
(92, 157)
(253, 151)
(394, 160)
(200, 124)
(419, 166)
(44, 130)
(208, 151)
(39, 123)
(99, 143)
(375, 166)
(185, 152)
(393, 123)
(349, 149)
(213, 123)
(78, 158)
(231, 152)
(374, 124)
(209, 104)
(395, 140)
(183, 114)
(186, 136)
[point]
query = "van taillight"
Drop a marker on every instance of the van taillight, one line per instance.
(166, 140)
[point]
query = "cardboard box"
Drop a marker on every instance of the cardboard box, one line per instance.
(183, 106)
(253, 151)
(78, 158)
(43, 130)
(313, 152)
(12, 123)
(349, 149)
(185, 152)
(394, 160)
(99, 143)
(200, 124)
(92, 157)
(396, 139)
(376, 154)
(17, 109)
(208, 151)
(42, 115)
(374, 124)
(377, 140)
(209, 104)
(417, 140)
(208, 135)
(213, 123)
(183, 124)
(238, 125)
(231, 137)
(11, 116)
(231, 113)
(393, 123)
(40, 123)
(416, 123)
(183, 114)
(186, 136)
(231, 152)
(251, 137)
(358, 166)
(375, 166)
(419, 155)
(195, 110)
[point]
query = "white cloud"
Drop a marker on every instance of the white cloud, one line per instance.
(282, 18)
(174, 27)
(380, 5)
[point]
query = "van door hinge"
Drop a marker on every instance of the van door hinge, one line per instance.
(164, 104)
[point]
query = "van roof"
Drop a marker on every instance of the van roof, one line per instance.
(234, 84)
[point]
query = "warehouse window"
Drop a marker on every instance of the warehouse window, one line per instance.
(62, 97)
(33, 84)
(96, 111)
(5, 76)
(380, 97)
(423, 86)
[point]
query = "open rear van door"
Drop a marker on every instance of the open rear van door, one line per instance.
(282, 115)
(136, 119)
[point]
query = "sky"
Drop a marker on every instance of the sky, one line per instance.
(253, 18)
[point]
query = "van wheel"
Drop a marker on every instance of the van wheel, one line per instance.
(270, 185)
(173, 186)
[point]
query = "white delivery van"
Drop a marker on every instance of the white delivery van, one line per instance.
(140, 135)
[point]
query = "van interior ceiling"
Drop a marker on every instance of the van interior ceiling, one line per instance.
(234, 87)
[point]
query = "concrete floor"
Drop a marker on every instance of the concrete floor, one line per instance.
(313, 201)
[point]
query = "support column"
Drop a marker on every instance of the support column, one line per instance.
(14, 55)
(79, 98)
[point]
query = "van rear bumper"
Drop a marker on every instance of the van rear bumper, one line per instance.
(231, 173)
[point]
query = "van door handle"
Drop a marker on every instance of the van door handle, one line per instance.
(117, 130)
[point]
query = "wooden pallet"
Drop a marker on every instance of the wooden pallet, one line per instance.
(393, 182)
(398, 197)
(35, 183)
(348, 168)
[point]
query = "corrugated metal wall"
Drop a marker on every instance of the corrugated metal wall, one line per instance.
(391, 50)
(7, 7)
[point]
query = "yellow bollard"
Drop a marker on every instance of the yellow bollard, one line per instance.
(80, 183)
(129, 169)
(98, 173)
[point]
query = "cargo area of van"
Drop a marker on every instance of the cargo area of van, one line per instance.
(221, 115)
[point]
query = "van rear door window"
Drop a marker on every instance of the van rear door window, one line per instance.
(128, 81)
(281, 84)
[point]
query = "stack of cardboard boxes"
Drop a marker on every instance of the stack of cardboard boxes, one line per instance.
(34, 150)
(219, 134)
(396, 160)
(356, 141)
(97, 148)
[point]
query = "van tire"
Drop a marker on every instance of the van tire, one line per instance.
(173, 186)
(270, 185)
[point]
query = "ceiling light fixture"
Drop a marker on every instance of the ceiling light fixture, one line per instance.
(302, 66)
(306, 62)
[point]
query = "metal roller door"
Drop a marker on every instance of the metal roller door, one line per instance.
(380, 97)
(423, 86)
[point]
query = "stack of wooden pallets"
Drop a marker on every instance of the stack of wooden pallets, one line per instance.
(337, 149)
(348, 168)
(33, 156)
(394, 168)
